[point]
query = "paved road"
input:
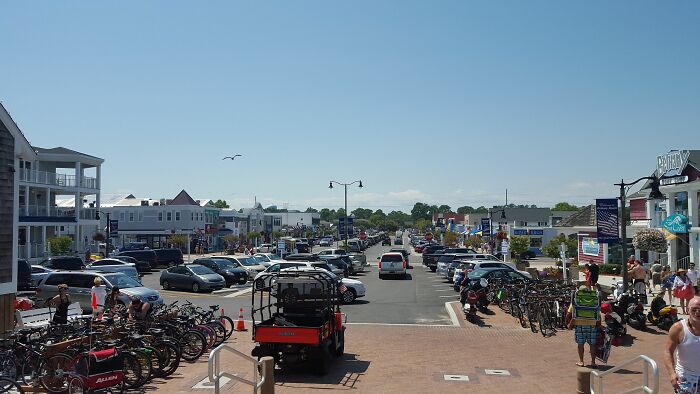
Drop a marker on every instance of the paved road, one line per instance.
(419, 299)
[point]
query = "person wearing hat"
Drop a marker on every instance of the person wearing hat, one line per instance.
(61, 302)
(683, 289)
(98, 293)
(111, 301)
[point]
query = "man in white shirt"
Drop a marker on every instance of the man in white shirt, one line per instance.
(693, 276)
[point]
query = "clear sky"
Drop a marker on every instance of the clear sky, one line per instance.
(447, 102)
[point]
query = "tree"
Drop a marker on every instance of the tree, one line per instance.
(376, 220)
(444, 209)
(421, 211)
(552, 248)
(221, 204)
(362, 213)
(465, 209)
(326, 215)
(519, 245)
(99, 237)
(473, 242)
(379, 212)
(481, 209)
(278, 234)
(178, 240)
(564, 206)
(423, 224)
(60, 245)
(311, 210)
(451, 238)
(253, 235)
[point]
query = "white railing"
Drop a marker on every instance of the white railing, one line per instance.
(682, 263)
(43, 210)
(215, 373)
(34, 251)
(597, 377)
(54, 179)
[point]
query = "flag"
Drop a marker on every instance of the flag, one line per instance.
(343, 288)
(669, 235)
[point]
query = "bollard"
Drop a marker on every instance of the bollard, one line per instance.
(583, 380)
(268, 371)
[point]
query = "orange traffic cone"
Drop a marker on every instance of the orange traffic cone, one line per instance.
(240, 324)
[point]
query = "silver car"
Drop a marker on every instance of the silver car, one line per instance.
(80, 284)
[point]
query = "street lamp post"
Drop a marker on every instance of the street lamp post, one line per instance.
(109, 227)
(345, 185)
(655, 194)
(503, 216)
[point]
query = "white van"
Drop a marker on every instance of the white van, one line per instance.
(354, 245)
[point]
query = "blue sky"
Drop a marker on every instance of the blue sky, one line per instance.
(440, 102)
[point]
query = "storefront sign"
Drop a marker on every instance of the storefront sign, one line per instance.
(672, 163)
(536, 232)
(485, 227)
(606, 218)
(519, 232)
(676, 224)
(674, 180)
(590, 246)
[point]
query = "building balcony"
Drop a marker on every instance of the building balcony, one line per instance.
(58, 180)
(31, 251)
(40, 213)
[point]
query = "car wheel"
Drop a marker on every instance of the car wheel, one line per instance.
(195, 287)
(242, 281)
(349, 296)
(165, 285)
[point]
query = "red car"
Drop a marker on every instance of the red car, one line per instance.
(419, 248)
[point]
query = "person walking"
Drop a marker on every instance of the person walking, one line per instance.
(682, 352)
(111, 302)
(693, 276)
(61, 302)
(667, 278)
(638, 276)
(583, 316)
(98, 295)
(683, 289)
(655, 275)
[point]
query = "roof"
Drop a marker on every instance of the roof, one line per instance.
(7, 122)
(585, 217)
(62, 151)
(183, 199)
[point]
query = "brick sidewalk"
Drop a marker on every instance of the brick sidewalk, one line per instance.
(400, 359)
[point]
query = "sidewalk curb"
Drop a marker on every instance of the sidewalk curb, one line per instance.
(451, 313)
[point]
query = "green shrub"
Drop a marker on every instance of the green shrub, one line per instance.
(611, 269)
(60, 245)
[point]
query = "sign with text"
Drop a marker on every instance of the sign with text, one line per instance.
(676, 224)
(345, 227)
(113, 228)
(606, 219)
(672, 163)
(485, 226)
(590, 246)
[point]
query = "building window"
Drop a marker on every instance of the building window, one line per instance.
(536, 242)
(523, 224)
(277, 222)
(177, 216)
(160, 216)
(140, 216)
(192, 216)
(131, 216)
(122, 216)
(169, 216)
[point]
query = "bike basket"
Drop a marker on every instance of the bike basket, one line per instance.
(101, 369)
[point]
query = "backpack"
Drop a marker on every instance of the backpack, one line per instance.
(586, 305)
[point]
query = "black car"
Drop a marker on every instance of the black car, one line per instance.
(301, 257)
(148, 255)
(386, 241)
(232, 274)
(24, 275)
(502, 274)
(169, 256)
(68, 263)
(398, 241)
(141, 266)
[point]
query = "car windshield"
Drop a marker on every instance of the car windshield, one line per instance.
(263, 258)
(445, 259)
(200, 270)
(248, 261)
(476, 274)
(122, 281)
(223, 263)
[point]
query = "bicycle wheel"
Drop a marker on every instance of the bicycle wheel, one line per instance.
(532, 318)
(9, 386)
(157, 360)
(76, 385)
(8, 367)
(209, 334)
(171, 357)
(219, 330)
(145, 363)
(228, 325)
(132, 371)
(29, 370)
(53, 372)
(193, 344)
(542, 322)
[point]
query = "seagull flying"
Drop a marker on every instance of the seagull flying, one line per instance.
(231, 157)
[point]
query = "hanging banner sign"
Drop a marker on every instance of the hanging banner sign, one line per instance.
(607, 223)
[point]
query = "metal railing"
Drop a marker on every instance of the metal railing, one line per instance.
(215, 373)
(648, 362)
(682, 263)
(55, 179)
(34, 251)
(58, 212)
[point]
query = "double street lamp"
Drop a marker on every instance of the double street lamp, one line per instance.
(109, 228)
(345, 185)
(655, 194)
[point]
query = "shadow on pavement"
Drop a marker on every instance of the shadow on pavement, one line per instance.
(345, 371)
(360, 302)
(396, 277)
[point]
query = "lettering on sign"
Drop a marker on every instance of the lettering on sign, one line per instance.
(672, 163)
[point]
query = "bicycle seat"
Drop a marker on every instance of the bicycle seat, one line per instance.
(109, 343)
(156, 331)
(213, 307)
(136, 337)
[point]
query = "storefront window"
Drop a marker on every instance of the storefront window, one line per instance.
(536, 242)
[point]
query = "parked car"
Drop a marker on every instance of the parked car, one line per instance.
(24, 275)
(359, 262)
(148, 255)
(405, 253)
(340, 267)
(476, 265)
(193, 277)
(169, 256)
(265, 248)
(301, 257)
(39, 273)
(249, 263)
(80, 282)
(224, 267)
(355, 288)
(265, 258)
(128, 270)
(326, 242)
(398, 241)
(386, 241)
(68, 263)
(141, 266)
(354, 245)
(392, 263)
(332, 251)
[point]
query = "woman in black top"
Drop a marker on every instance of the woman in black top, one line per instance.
(61, 302)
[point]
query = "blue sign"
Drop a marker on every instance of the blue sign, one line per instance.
(344, 229)
(676, 224)
(606, 219)
(536, 232)
(485, 226)
(519, 232)
(590, 246)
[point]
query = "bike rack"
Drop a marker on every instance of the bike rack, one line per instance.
(215, 373)
(648, 362)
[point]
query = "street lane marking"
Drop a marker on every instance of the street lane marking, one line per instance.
(449, 296)
(451, 312)
(456, 378)
(206, 384)
(443, 289)
(240, 292)
(499, 372)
